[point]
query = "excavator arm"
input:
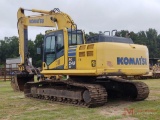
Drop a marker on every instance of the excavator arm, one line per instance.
(54, 18)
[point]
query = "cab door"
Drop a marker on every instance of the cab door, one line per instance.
(50, 51)
(54, 50)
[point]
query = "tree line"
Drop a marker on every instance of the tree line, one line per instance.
(150, 38)
(9, 46)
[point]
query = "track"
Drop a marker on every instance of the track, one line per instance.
(86, 94)
(134, 91)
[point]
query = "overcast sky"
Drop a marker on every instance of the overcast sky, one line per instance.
(89, 15)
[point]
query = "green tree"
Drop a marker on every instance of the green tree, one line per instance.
(90, 34)
(141, 38)
(122, 33)
(152, 42)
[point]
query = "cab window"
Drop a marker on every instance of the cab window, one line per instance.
(75, 41)
(60, 43)
(50, 49)
(50, 44)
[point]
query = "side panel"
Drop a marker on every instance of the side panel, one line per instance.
(122, 59)
(113, 59)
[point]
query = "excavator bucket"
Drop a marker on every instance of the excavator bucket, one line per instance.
(18, 81)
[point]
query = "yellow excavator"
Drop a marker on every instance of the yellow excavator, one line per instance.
(91, 67)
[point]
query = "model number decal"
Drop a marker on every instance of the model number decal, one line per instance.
(72, 63)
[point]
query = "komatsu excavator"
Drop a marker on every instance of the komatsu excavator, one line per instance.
(91, 67)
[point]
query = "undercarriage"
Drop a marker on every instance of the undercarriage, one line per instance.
(87, 94)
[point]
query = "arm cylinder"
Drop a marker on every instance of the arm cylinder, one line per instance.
(39, 11)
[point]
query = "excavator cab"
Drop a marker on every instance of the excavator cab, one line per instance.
(55, 47)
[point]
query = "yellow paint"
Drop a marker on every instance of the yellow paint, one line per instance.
(58, 62)
(106, 55)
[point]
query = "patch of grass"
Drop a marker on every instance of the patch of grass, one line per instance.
(114, 118)
(145, 110)
(61, 113)
(14, 106)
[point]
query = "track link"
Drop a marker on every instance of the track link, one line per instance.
(92, 95)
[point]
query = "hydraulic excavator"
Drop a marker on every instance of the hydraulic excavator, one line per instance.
(91, 67)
